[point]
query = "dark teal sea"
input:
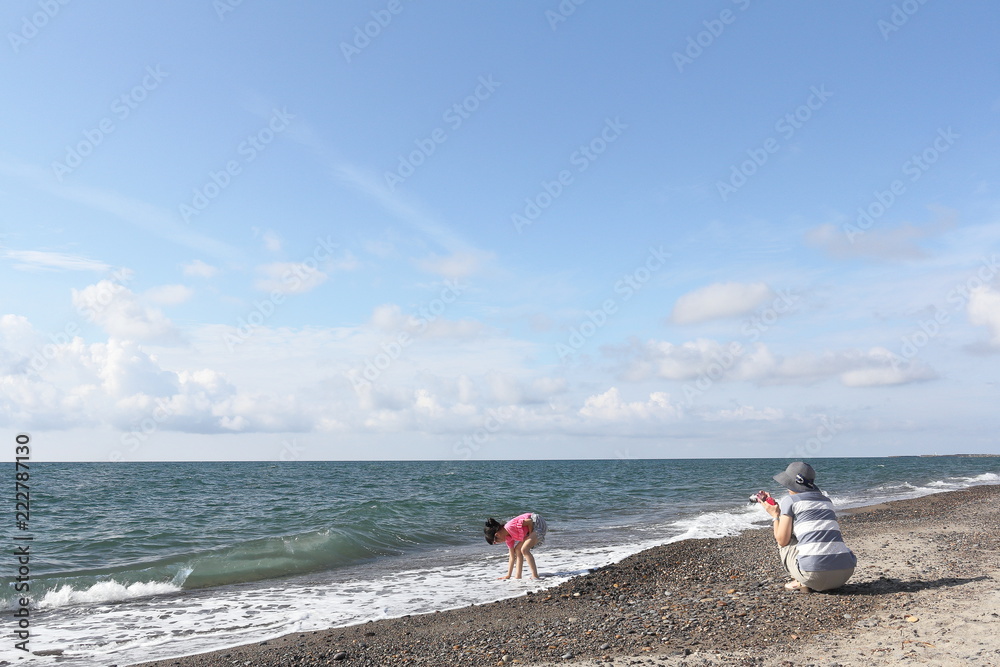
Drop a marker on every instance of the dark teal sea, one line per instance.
(134, 561)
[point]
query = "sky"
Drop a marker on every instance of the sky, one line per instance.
(238, 230)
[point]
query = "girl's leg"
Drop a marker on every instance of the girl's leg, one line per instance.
(520, 561)
(525, 549)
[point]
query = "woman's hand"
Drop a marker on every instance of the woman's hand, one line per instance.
(773, 510)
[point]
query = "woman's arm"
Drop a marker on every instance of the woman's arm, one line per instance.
(782, 524)
(783, 530)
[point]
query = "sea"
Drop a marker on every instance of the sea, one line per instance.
(139, 561)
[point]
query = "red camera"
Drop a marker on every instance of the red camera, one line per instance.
(763, 497)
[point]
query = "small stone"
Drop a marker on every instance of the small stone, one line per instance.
(340, 655)
(912, 619)
(567, 656)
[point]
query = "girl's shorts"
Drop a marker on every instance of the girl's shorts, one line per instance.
(541, 528)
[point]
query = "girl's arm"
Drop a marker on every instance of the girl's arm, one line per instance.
(511, 558)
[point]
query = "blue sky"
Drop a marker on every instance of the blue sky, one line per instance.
(394, 230)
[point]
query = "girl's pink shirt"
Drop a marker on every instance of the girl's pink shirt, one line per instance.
(516, 531)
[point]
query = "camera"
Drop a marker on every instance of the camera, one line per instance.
(762, 497)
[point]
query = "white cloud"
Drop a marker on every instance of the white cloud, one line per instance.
(199, 269)
(720, 300)
(745, 413)
(887, 376)
(40, 260)
(705, 359)
(984, 310)
(379, 247)
(875, 238)
(169, 295)
(687, 361)
(15, 332)
(289, 277)
(900, 242)
(272, 242)
(390, 319)
(457, 265)
(610, 406)
(120, 384)
(505, 389)
(119, 312)
(548, 386)
(347, 262)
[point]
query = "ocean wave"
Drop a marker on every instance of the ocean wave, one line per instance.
(104, 592)
(717, 524)
(244, 562)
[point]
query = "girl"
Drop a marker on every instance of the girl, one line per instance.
(522, 533)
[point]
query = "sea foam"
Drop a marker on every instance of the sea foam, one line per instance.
(105, 591)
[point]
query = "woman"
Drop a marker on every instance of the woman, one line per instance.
(521, 534)
(808, 535)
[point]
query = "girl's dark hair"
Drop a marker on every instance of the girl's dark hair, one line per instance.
(490, 529)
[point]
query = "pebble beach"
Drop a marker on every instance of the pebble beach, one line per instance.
(925, 591)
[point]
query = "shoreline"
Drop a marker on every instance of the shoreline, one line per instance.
(721, 599)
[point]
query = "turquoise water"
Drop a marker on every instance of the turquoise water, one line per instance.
(124, 555)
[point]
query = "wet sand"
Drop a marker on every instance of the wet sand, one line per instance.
(925, 591)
